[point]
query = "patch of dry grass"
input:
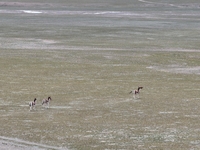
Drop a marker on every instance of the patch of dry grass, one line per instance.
(91, 107)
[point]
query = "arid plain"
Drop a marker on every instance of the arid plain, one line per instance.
(88, 57)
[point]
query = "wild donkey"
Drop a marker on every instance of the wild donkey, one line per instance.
(136, 92)
(46, 101)
(32, 104)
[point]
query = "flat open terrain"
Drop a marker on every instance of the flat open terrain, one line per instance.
(91, 107)
(88, 57)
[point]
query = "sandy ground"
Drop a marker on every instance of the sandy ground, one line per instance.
(6, 145)
(88, 56)
(16, 144)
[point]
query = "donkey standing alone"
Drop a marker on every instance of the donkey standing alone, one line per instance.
(136, 92)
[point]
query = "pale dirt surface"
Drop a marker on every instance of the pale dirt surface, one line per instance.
(6, 145)
(88, 56)
(17, 144)
(91, 107)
